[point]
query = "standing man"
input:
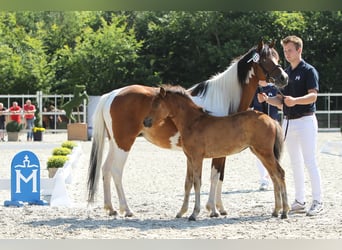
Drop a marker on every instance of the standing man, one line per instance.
(2, 121)
(300, 124)
(15, 110)
(29, 110)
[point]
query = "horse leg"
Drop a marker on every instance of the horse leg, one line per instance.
(212, 194)
(283, 192)
(106, 173)
(217, 166)
(120, 157)
(187, 188)
(271, 165)
(197, 170)
(279, 178)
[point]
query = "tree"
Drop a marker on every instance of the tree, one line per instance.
(23, 64)
(102, 60)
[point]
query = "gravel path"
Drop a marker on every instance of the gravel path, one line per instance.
(153, 181)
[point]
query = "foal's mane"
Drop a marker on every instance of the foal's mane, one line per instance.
(180, 91)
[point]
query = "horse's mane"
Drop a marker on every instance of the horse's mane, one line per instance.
(221, 94)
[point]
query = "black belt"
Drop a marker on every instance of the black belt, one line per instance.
(296, 116)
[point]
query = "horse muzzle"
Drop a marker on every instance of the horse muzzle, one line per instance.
(280, 80)
(147, 122)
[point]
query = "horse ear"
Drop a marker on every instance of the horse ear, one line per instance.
(162, 92)
(272, 44)
(260, 45)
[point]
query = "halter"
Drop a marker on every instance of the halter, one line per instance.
(269, 78)
(256, 59)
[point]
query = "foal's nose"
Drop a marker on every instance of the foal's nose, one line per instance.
(147, 122)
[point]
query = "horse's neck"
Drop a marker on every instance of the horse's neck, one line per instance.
(248, 91)
(223, 93)
(183, 116)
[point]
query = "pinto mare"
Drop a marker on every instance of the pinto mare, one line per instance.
(120, 113)
(206, 136)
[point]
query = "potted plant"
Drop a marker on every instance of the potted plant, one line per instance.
(54, 163)
(69, 144)
(61, 151)
(38, 128)
(13, 129)
(76, 129)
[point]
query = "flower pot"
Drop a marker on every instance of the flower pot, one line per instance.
(38, 136)
(13, 136)
(78, 131)
(52, 172)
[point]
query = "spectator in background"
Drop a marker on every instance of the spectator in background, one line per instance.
(2, 121)
(15, 111)
(29, 114)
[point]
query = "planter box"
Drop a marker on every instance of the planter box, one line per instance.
(77, 131)
(52, 172)
(38, 136)
(13, 136)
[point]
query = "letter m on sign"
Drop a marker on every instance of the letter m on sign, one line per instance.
(25, 180)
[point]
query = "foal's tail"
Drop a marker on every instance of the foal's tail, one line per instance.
(95, 161)
(279, 141)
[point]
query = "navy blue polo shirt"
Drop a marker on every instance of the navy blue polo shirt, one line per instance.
(301, 79)
(264, 107)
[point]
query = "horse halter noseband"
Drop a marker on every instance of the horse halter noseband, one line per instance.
(269, 78)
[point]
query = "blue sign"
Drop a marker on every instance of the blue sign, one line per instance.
(25, 180)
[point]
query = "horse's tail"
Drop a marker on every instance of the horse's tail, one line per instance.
(95, 161)
(279, 141)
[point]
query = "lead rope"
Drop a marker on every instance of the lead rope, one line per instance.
(287, 120)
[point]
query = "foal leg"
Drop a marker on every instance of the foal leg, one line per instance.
(189, 179)
(197, 168)
(283, 191)
(270, 164)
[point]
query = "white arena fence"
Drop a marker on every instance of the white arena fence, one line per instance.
(329, 109)
(42, 103)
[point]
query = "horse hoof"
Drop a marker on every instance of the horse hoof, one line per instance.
(129, 214)
(224, 212)
(192, 218)
(214, 214)
(284, 216)
(113, 213)
(274, 214)
(178, 216)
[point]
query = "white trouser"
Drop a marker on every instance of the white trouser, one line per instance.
(301, 143)
(264, 177)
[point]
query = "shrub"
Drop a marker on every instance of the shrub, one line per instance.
(61, 151)
(69, 144)
(14, 126)
(56, 161)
